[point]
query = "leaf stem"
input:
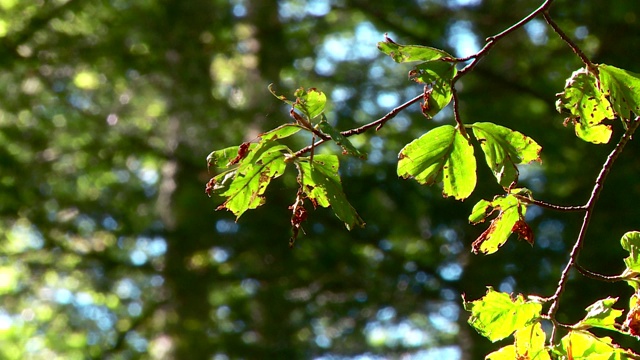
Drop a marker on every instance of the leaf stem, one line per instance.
(546, 205)
(595, 193)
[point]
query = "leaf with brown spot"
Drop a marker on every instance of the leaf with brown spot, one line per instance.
(511, 210)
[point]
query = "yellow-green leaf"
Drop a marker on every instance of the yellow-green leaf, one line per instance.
(504, 149)
(623, 89)
(441, 155)
(498, 315)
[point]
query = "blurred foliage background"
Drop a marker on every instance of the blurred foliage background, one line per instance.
(109, 248)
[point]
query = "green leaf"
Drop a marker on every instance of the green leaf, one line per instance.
(310, 102)
(600, 314)
(587, 106)
(497, 315)
(501, 227)
(408, 53)
(281, 132)
(623, 89)
(222, 158)
(631, 242)
(279, 97)
(321, 183)
(480, 211)
(252, 178)
(504, 149)
(582, 345)
(438, 75)
(442, 154)
(529, 344)
(342, 141)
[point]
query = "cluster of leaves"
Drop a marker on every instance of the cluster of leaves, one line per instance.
(250, 167)
(444, 156)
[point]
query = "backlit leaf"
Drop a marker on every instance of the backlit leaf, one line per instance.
(480, 211)
(310, 102)
(623, 89)
(498, 315)
(321, 183)
(504, 149)
(441, 155)
(511, 210)
(281, 132)
(631, 242)
(408, 53)
(251, 179)
(222, 158)
(587, 106)
(600, 314)
(530, 343)
(582, 345)
(437, 75)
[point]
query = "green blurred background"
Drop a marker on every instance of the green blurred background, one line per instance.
(110, 249)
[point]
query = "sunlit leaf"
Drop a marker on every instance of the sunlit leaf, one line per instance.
(622, 88)
(441, 155)
(511, 210)
(587, 106)
(252, 178)
(310, 102)
(437, 75)
(530, 343)
(408, 53)
(321, 183)
(631, 242)
(504, 149)
(279, 97)
(582, 345)
(600, 314)
(281, 132)
(480, 211)
(498, 315)
(342, 141)
(222, 158)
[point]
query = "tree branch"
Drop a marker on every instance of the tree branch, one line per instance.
(595, 193)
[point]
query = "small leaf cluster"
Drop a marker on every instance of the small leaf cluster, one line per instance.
(245, 171)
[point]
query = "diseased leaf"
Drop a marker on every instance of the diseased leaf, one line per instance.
(281, 132)
(251, 179)
(511, 210)
(279, 97)
(504, 149)
(408, 53)
(222, 158)
(622, 88)
(597, 134)
(437, 76)
(321, 183)
(600, 314)
(587, 107)
(498, 315)
(342, 141)
(480, 211)
(310, 102)
(582, 345)
(442, 154)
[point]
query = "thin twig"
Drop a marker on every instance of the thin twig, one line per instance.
(378, 124)
(595, 193)
(572, 45)
(546, 205)
(491, 41)
(596, 276)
